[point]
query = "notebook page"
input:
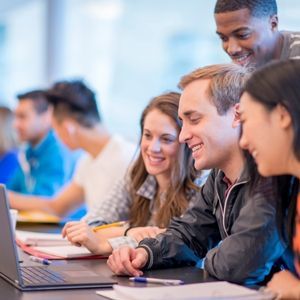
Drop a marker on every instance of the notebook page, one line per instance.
(40, 239)
(220, 290)
(65, 251)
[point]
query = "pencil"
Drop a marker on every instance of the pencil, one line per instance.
(115, 224)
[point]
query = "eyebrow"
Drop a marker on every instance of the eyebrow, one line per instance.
(190, 112)
(235, 31)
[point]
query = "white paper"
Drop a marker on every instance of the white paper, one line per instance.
(220, 290)
(65, 251)
(41, 239)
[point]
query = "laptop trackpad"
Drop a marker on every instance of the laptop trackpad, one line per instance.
(78, 273)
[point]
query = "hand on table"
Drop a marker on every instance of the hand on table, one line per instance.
(79, 233)
(128, 261)
(285, 285)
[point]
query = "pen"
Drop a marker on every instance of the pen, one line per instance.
(156, 280)
(43, 261)
(116, 224)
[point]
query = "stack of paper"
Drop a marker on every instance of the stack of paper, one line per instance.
(220, 290)
(50, 245)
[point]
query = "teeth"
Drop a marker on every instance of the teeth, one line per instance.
(155, 159)
(196, 148)
(241, 58)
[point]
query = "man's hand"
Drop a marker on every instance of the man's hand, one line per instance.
(128, 261)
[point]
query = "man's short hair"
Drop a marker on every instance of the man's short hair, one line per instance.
(226, 86)
(75, 100)
(38, 98)
(257, 8)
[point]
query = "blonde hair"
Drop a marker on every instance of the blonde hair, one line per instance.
(8, 137)
(227, 82)
(182, 178)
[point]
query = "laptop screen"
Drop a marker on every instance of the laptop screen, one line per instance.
(9, 265)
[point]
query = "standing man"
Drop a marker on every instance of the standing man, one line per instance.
(46, 165)
(249, 32)
(233, 231)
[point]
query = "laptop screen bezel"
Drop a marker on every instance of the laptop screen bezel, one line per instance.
(9, 258)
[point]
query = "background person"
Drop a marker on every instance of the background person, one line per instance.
(8, 145)
(77, 122)
(45, 163)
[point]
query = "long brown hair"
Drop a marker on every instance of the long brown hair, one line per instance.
(182, 178)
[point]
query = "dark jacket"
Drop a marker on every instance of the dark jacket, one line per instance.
(238, 235)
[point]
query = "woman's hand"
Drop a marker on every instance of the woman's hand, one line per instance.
(285, 285)
(140, 233)
(80, 234)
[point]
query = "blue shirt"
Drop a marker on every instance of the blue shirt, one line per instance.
(44, 168)
(8, 165)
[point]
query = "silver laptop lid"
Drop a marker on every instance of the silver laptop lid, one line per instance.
(9, 261)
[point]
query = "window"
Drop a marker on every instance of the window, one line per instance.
(127, 50)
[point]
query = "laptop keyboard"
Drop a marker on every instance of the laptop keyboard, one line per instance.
(40, 275)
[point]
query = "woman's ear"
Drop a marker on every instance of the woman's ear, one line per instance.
(285, 119)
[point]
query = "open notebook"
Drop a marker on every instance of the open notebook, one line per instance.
(50, 245)
(220, 290)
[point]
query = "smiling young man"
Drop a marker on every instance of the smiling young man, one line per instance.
(249, 32)
(232, 231)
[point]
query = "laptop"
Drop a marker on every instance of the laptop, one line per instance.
(31, 278)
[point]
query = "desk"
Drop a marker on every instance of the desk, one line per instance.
(8, 292)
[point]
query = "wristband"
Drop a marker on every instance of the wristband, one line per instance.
(126, 230)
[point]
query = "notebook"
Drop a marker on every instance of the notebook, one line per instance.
(50, 245)
(29, 278)
(220, 290)
(41, 239)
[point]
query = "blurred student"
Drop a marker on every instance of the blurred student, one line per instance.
(249, 32)
(8, 145)
(159, 186)
(77, 122)
(270, 115)
(228, 220)
(45, 164)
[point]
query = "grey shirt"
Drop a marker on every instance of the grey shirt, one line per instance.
(291, 45)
